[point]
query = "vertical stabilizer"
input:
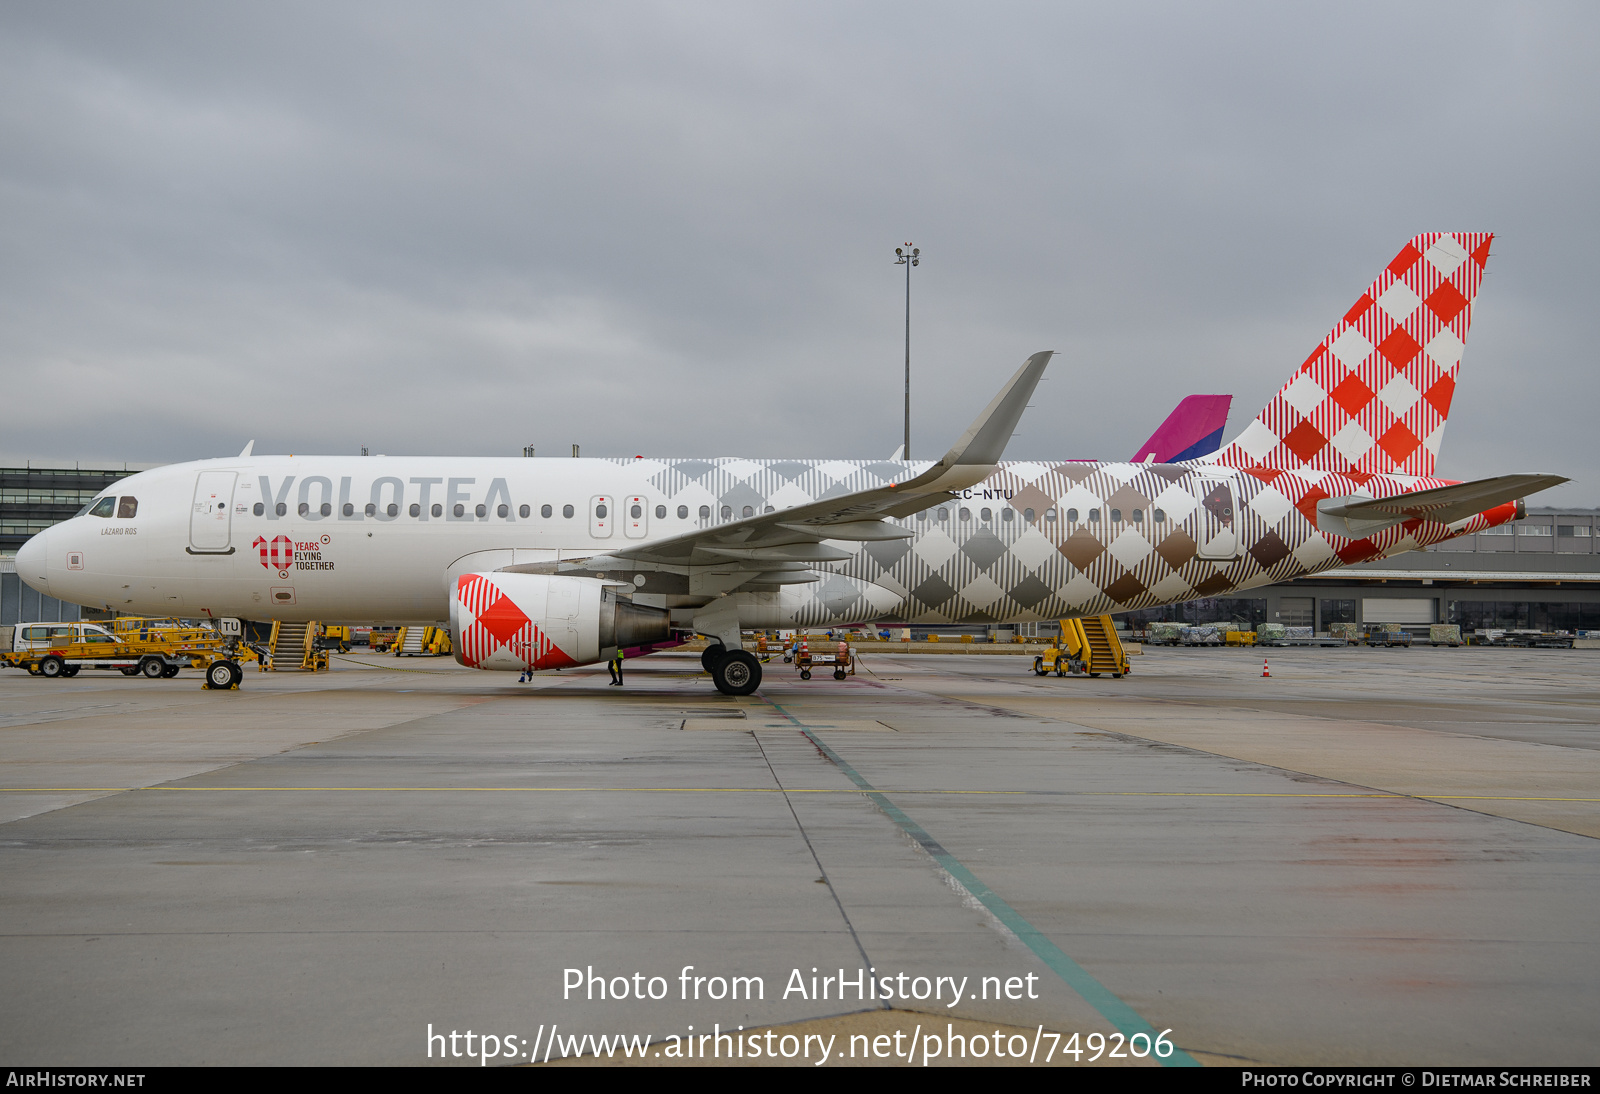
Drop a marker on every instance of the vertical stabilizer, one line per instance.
(1374, 396)
(1193, 429)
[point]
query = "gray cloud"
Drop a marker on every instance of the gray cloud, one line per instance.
(669, 228)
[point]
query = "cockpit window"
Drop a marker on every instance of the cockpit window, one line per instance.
(104, 507)
(128, 507)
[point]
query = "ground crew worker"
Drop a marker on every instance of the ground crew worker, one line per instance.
(615, 665)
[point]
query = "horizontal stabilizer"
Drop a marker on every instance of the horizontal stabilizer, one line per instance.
(1356, 517)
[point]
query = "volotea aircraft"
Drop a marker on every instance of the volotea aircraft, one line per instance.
(541, 564)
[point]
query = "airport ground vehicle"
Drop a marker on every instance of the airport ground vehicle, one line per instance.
(809, 661)
(153, 648)
(1089, 647)
(1387, 635)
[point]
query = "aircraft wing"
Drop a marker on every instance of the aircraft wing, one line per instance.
(1445, 504)
(791, 539)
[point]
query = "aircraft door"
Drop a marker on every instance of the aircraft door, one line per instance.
(211, 517)
(635, 517)
(1219, 527)
(602, 516)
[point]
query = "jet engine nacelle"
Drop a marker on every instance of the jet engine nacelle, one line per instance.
(545, 621)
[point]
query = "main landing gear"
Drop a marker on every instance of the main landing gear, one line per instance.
(735, 673)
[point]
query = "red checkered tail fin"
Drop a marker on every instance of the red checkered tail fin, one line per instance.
(1375, 395)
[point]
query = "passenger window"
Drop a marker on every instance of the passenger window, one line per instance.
(1008, 515)
(1138, 516)
(393, 509)
(944, 515)
(458, 510)
(546, 511)
(1157, 515)
(305, 509)
(128, 508)
(1050, 515)
(1094, 516)
(922, 515)
(416, 510)
(600, 510)
(502, 511)
(966, 514)
(282, 508)
(985, 514)
(1072, 516)
(437, 510)
(104, 507)
(349, 509)
(749, 511)
(524, 511)
(480, 511)
(661, 512)
(567, 511)
(258, 509)
(635, 512)
(683, 512)
(727, 512)
(1116, 516)
(705, 512)
(372, 509)
(1027, 515)
(327, 509)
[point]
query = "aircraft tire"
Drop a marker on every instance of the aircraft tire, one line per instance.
(52, 667)
(219, 675)
(737, 674)
(709, 658)
(153, 667)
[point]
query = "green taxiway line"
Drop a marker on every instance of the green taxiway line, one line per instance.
(1103, 999)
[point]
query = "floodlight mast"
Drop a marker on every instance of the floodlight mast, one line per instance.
(907, 256)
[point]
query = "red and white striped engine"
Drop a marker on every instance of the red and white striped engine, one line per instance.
(545, 621)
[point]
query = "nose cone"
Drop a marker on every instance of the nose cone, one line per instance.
(32, 561)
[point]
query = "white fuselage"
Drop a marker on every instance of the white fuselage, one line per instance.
(381, 539)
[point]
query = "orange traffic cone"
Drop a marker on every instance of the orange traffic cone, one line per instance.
(1265, 672)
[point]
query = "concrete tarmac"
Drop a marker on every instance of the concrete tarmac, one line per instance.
(1373, 857)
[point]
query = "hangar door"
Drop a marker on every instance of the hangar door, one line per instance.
(1376, 609)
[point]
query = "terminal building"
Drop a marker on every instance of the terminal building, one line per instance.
(1541, 573)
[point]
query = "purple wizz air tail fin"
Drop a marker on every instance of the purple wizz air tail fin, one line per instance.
(1193, 429)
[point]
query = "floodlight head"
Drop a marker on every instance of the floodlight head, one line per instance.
(916, 250)
(898, 251)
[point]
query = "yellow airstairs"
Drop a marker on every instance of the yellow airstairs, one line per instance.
(1088, 647)
(294, 648)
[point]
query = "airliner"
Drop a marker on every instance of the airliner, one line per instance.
(545, 563)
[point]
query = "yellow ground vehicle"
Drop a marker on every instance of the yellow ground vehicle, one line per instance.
(153, 648)
(1088, 647)
(422, 642)
(333, 636)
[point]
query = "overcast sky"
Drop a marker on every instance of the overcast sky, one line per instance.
(669, 228)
